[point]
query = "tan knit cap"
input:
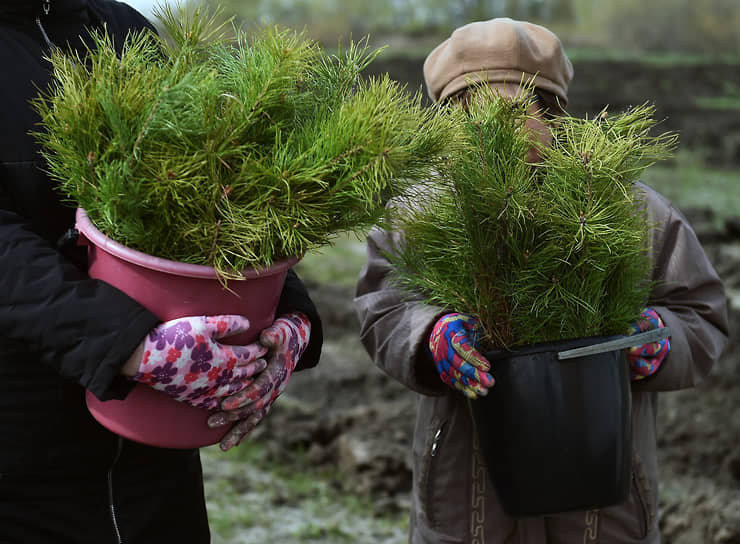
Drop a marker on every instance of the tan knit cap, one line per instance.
(498, 51)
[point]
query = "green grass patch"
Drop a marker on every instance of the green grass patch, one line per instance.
(731, 103)
(255, 496)
(420, 49)
(655, 59)
(689, 183)
(338, 264)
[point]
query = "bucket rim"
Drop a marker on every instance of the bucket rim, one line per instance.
(552, 346)
(94, 236)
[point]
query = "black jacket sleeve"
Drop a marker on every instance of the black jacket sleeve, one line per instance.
(51, 313)
(82, 327)
(119, 17)
(295, 298)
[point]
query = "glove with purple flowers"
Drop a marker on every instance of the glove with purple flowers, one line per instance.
(453, 345)
(646, 359)
(286, 340)
(184, 359)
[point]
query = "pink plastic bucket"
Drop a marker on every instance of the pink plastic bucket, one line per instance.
(170, 290)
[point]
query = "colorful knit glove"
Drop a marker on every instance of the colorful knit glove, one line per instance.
(646, 359)
(286, 340)
(453, 346)
(184, 359)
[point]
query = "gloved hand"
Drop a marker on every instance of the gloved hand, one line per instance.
(453, 346)
(286, 340)
(645, 360)
(184, 359)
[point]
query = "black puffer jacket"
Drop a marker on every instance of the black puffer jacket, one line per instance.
(60, 331)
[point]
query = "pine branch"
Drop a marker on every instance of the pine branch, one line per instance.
(216, 147)
(537, 253)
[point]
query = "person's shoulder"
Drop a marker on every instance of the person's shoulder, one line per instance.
(652, 197)
(120, 15)
(655, 201)
(661, 210)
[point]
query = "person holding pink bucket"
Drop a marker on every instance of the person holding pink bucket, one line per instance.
(64, 477)
(198, 356)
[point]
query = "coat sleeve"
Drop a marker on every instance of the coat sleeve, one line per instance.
(295, 298)
(49, 309)
(688, 296)
(394, 327)
(83, 328)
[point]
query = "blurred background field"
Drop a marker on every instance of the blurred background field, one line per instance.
(331, 462)
(688, 28)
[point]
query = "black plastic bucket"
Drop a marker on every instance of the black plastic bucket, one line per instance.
(556, 435)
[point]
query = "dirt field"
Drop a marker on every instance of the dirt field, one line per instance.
(688, 98)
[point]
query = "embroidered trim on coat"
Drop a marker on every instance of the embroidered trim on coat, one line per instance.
(478, 495)
(591, 534)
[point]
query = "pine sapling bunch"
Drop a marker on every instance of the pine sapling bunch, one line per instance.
(214, 147)
(538, 252)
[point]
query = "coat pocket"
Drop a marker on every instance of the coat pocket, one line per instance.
(443, 467)
(631, 520)
(642, 495)
(433, 449)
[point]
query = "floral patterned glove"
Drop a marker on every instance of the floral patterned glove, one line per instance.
(184, 359)
(453, 346)
(286, 340)
(646, 359)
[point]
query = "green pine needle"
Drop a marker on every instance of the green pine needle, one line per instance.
(215, 147)
(538, 253)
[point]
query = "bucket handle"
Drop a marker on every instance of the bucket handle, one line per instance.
(653, 335)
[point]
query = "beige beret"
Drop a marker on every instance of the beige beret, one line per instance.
(498, 51)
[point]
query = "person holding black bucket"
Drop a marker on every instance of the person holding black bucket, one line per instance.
(63, 476)
(434, 351)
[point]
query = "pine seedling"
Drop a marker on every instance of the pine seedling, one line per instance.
(212, 146)
(539, 252)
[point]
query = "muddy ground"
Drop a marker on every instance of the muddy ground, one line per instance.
(351, 418)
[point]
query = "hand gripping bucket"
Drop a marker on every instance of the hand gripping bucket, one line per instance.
(556, 433)
(170, 290)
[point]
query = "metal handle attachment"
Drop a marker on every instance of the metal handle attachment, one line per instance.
(653, 335)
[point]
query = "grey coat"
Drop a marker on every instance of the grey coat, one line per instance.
(453, 500)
